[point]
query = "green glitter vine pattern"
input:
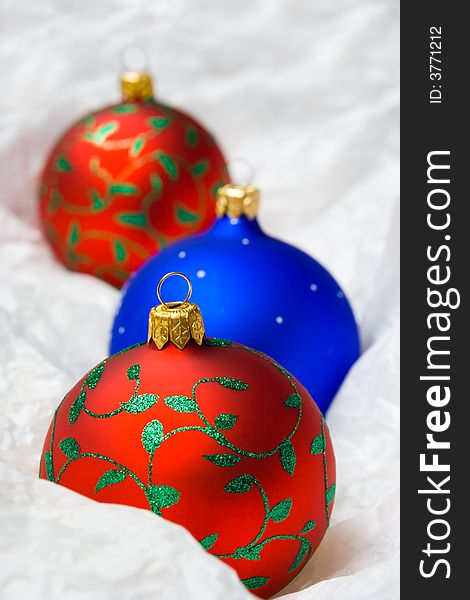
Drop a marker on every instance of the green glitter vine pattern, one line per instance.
(117, 187)
(160, 496)
(277, 513)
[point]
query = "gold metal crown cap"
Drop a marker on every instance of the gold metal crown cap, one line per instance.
(177, 322)
(136, 85)
(237, 200)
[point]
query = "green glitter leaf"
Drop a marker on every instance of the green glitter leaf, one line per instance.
(191, 137)
(223, 460)
(104, 132)
(49, 465)
(63, 164)
(209, 541)
(135, 219)
(218, 437)
(239, 485)
(128, 189)
(281, 511)
(162, 496)
(318, 444)
(200, 168)
(215, 189)
(309, 525)
(133, 372)
(119, 251)
(70, 447)
(94, 376)
(74, 234)
(97, 200)
(77, 407)
(253, 583)
(185, 216)
(225, 421)
(181, 404)
(288, 458)
(247, 553)
(232, 383)
(138, 404)
(293, 400)
(304, 546)
(110, 478)
(88, 120)
(53, 202)
(124, 109)
(214, 341)
(152, 436)
(137, 146)
(331, 493)
(156, 183)
(158, 122)
(169, 165)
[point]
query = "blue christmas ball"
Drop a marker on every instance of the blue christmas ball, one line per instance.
(255, 290)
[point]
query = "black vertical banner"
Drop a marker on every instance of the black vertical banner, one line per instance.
(435, 259)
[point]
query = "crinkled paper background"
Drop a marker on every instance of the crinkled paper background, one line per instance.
(307, 90)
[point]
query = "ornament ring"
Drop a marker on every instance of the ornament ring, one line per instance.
(171, 305)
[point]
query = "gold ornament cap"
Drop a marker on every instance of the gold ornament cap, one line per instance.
(136, 85)
(237, 200)
(176, 322)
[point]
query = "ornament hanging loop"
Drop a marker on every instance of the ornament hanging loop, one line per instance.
(171, 305)
(177, 322)
(136, 82)
(134, 58)
(241, 198)
(241, 171)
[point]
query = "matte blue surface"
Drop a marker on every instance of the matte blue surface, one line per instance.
(255, 290)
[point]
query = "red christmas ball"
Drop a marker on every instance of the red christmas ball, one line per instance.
(218, 438)
(126, 181)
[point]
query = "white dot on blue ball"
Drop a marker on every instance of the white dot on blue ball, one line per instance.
(245, 241)
(201, 274)
(182, 254)
(121, 329)
(313, 287)
(340, 294)
(279, 320)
